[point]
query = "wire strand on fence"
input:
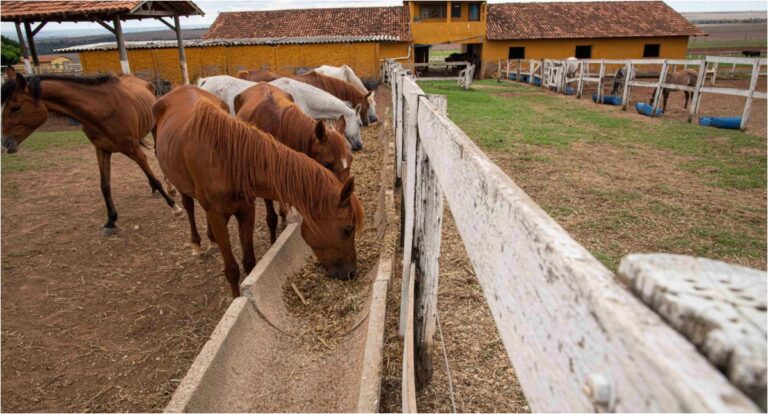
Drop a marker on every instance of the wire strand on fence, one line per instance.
(447, 367)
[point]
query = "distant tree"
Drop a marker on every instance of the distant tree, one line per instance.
(11, 51)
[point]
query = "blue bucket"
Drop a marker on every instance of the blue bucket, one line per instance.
(537, 82)
(645, 109)
(733, 122)
(570, 91)
(608, 100)
(513, 76)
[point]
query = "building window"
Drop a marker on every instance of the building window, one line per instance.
(455, 10)
(650, 51)
(474, 12)
(433, 11)
(517, 53)
(583, 52)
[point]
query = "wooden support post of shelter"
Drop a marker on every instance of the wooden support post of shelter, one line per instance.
(24, 53)
(29, 12)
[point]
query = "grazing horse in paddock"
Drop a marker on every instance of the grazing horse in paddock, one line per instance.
(618, 80)
(116, 113)
(314, 102)
(226, 164)
(346, 73)
(685, 77)
(336, 87)
(272, 110)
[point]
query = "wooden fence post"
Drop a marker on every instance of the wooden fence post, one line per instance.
(693, 107)
(427, 237)
(752, 86)
(714, 73)
(580, 87)
(600, 77)
(410, 98)
(408, 387)
(660, 88)
(517, 68)
(530, 72)
(628, 73)
(399, 76)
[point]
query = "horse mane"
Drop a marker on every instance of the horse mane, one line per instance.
(295, 126)
(246, 153)
(340, 88)
(35, 88)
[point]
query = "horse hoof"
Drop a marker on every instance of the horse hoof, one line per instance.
(177, 211)
(172, 192)
(108, 231)
(156, 194)
(197, 251)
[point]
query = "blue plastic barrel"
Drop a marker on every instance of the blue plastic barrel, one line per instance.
(570, 91)
(512, 76)
(608, 100)
(645, 109)
(537, 81)
(524, 78)
(732, 122)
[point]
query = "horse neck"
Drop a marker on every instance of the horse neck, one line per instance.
(344, 91)
(296, 129)
(84, 103)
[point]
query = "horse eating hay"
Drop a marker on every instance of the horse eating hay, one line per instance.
(346, 73)
(116, 113)
(685, 77)
(225, 164)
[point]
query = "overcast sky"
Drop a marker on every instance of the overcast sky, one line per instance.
(212, 9)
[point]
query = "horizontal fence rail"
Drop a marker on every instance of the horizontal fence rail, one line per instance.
(559, 74)
(577, 338)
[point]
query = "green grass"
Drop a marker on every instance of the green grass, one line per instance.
(706, 44)
(507, 115)
(39, 150)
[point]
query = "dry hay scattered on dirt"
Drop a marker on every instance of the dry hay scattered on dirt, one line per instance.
(332, 306)
(92, 323)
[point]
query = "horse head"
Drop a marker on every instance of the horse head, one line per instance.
(23, 112)
(371, 109)
(330, 149)
(332, 239)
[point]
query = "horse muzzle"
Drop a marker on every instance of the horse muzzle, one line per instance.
(373, 119)
(343, 273)
(10, 145)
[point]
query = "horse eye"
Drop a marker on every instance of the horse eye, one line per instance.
(348, 230)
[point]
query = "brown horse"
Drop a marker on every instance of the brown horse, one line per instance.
(272, 110)
(226, 164)
(686, 77)
(116, 113)
(336, 87)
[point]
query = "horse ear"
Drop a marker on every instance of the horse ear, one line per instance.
(346, 192)
(243, 74)
(320, 131)
(341, 124)
(344, 175)
(358, 107)
(238, 102)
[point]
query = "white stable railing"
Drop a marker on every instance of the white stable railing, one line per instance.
(576, 336)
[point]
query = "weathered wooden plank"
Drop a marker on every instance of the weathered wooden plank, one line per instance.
(750, 95)
(659, 88)
(397, 97)
(629, 72)
(427, 237)
(408, 389)
(564, 320)
(718, 306)
(411, 93)
(738, 60)
(693, 106)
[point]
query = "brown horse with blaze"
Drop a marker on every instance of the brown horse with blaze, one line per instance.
(272, 110)
(116, 114)
(226, 164)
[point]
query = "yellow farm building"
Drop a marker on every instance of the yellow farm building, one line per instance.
(286, 41)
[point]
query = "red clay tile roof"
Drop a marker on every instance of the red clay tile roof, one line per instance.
(390, 22)
(508, 21)
(50, 10)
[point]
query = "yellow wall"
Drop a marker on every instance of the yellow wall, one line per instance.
(620, 48)
(435, 31)
(217, 60)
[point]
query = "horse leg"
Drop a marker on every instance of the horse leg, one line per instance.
(105, 169)
(686, 99)
(665, 92)
(140, 158)
(271, 220)
(189, 205)
(245, 223)
(218, 223)
(214, 247)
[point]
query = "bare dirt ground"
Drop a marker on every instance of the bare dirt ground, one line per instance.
(92, 323)
(711, 104)
(483, 378)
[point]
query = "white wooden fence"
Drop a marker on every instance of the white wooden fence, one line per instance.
(577, 338)
(554, 76)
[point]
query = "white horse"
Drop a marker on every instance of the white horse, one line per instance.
(346, 73)
(314, 102)
(571, 65)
